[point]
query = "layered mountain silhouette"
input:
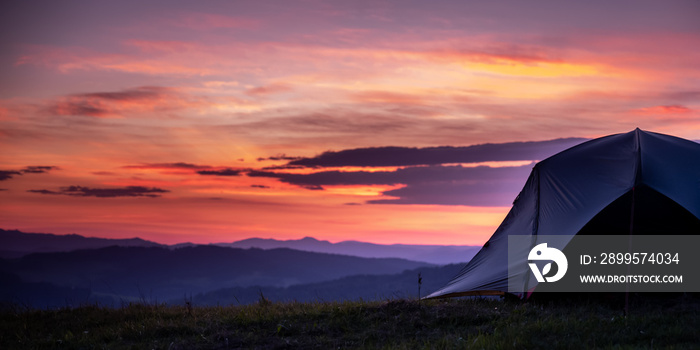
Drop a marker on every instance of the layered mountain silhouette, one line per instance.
(122, 274)
(14, 244)
(434, 254)
(45, 270)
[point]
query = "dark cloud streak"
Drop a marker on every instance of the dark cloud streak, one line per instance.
(413, 175)
(140, 93)
(206, 170)
(36, 169)
(8, 174)
(129, 191)
(98, 104)
(223, 172)
(405, 156)
(177, 165)
(40, 169)
(278, 157)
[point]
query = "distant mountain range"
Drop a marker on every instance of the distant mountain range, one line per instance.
(46, 270)
(434, 254)
(15, 244)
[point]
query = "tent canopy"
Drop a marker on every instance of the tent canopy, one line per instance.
(638, 182)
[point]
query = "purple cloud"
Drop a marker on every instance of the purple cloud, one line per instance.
(444, 185)
(482, 193)
(427, 174)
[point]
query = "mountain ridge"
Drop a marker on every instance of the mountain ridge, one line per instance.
(434, 254)
(16, 244)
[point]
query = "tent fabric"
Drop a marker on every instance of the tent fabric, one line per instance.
(565, 192)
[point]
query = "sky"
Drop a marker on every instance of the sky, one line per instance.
(413, 122)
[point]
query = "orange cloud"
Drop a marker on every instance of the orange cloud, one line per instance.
(668, 109)
(132, 65)
(388, 97)
(486, 51)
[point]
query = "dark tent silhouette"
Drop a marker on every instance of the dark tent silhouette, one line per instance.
(639, 183)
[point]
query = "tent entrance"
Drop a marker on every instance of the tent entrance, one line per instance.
(654, 214)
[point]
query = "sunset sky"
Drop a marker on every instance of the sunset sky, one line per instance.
(411, 122)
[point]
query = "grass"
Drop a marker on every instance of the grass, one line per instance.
(400, 324)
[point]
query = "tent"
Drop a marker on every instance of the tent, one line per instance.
(633, 183)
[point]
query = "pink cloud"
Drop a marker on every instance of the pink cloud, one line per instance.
(162, 46)
(69, 59)
(118, 104)
(387, 97)
(665, 116)
(157, 57)
(275, 88)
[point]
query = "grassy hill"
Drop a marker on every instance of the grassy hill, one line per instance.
(402, 324)
(357, 287)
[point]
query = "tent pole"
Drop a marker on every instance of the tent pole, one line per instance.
(637, 182)
(535, 228)
(629, 249)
